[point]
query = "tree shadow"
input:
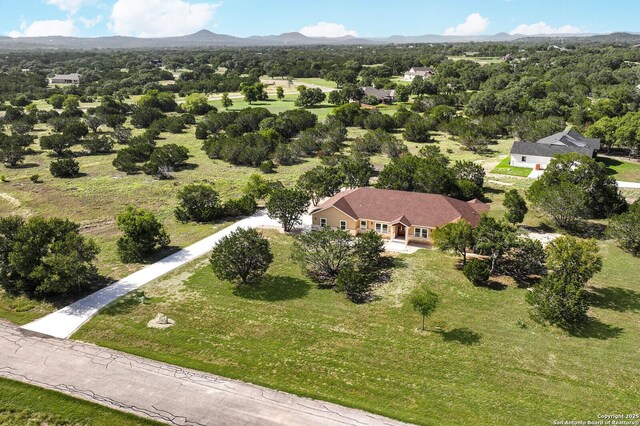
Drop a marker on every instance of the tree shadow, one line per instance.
(274, 288)
(495, 285)
(188, 166)
(596, 329)
(615, 298)
(25, 166)
(588, 229)
(462, 335)
(609, 163)
(543, 228)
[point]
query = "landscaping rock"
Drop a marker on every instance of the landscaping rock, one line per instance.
(161, 321)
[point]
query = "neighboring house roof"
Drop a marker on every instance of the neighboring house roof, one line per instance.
(559, 143)
(72, 76)
(408, 208)
(379, 93)
(422, 71)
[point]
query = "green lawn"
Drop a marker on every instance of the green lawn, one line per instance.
(276, 105)
(483, 361)
(317, 81)
(23, 404)
(504, 168)
(620, 169)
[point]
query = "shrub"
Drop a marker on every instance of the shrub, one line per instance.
(64, 168)
(243, 206)
(477, 272)
(142, 234)
(166, 159)
(35, 178)
(355, 284)
(268, 167)
(98, 144)
(198, 203)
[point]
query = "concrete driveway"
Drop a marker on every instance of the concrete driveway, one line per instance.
(156, 390)
(64, 322)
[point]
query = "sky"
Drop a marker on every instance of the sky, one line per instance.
(323, 18)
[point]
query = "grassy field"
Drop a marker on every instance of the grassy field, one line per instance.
(95, 198)
(482, 60)
(482, 361)
(504, 168)
(23, 404)
(317, 81)
(276, 105)
(622, 170)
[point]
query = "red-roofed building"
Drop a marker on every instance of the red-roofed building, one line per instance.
(397, 215)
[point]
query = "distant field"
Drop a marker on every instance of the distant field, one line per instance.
(23, 404)
(275, 105)
(318, 81)
(482, 60)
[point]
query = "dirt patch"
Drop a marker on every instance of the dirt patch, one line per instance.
(171, 287)
(10, 199)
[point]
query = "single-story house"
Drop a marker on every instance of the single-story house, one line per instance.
(424, 72)
(537, 155)
(73, 78)
(410, 217)
(383, 96)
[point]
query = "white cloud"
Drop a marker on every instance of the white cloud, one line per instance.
(160, 18)
(327, 29)
(71, 6)
(46, 28)
(88, 22)
(543, 28)
(474, 24)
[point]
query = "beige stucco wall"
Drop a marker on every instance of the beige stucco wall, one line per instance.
(334, 216)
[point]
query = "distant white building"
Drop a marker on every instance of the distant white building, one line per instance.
(73, 78)
(537, 155)
(424, 72)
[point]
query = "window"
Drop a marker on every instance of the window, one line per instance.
(343, 224)
(363, 225)
(421, 233)
(382, 228)
(524, 159)
(323, 222)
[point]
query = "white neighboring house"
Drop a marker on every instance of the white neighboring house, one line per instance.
(73, 78)
(537, 155)
(424, 72)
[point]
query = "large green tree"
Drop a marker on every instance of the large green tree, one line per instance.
(44, 257)
(287, 206)
(455, 236)
(244, 256)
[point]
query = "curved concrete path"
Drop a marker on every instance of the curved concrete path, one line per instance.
(64, 322)
(159, 391)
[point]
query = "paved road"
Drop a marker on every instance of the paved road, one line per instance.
(64, 322)
(622, 184)
(157, 390)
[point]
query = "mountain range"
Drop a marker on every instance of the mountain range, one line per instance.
(205, 38)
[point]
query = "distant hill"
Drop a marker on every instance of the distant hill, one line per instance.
(205, 38)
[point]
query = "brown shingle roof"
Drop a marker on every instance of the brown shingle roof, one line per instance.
(409, 208)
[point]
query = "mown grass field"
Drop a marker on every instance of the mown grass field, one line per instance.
(621, 169)
(482, 361)
(505, 168)
(23, 404)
